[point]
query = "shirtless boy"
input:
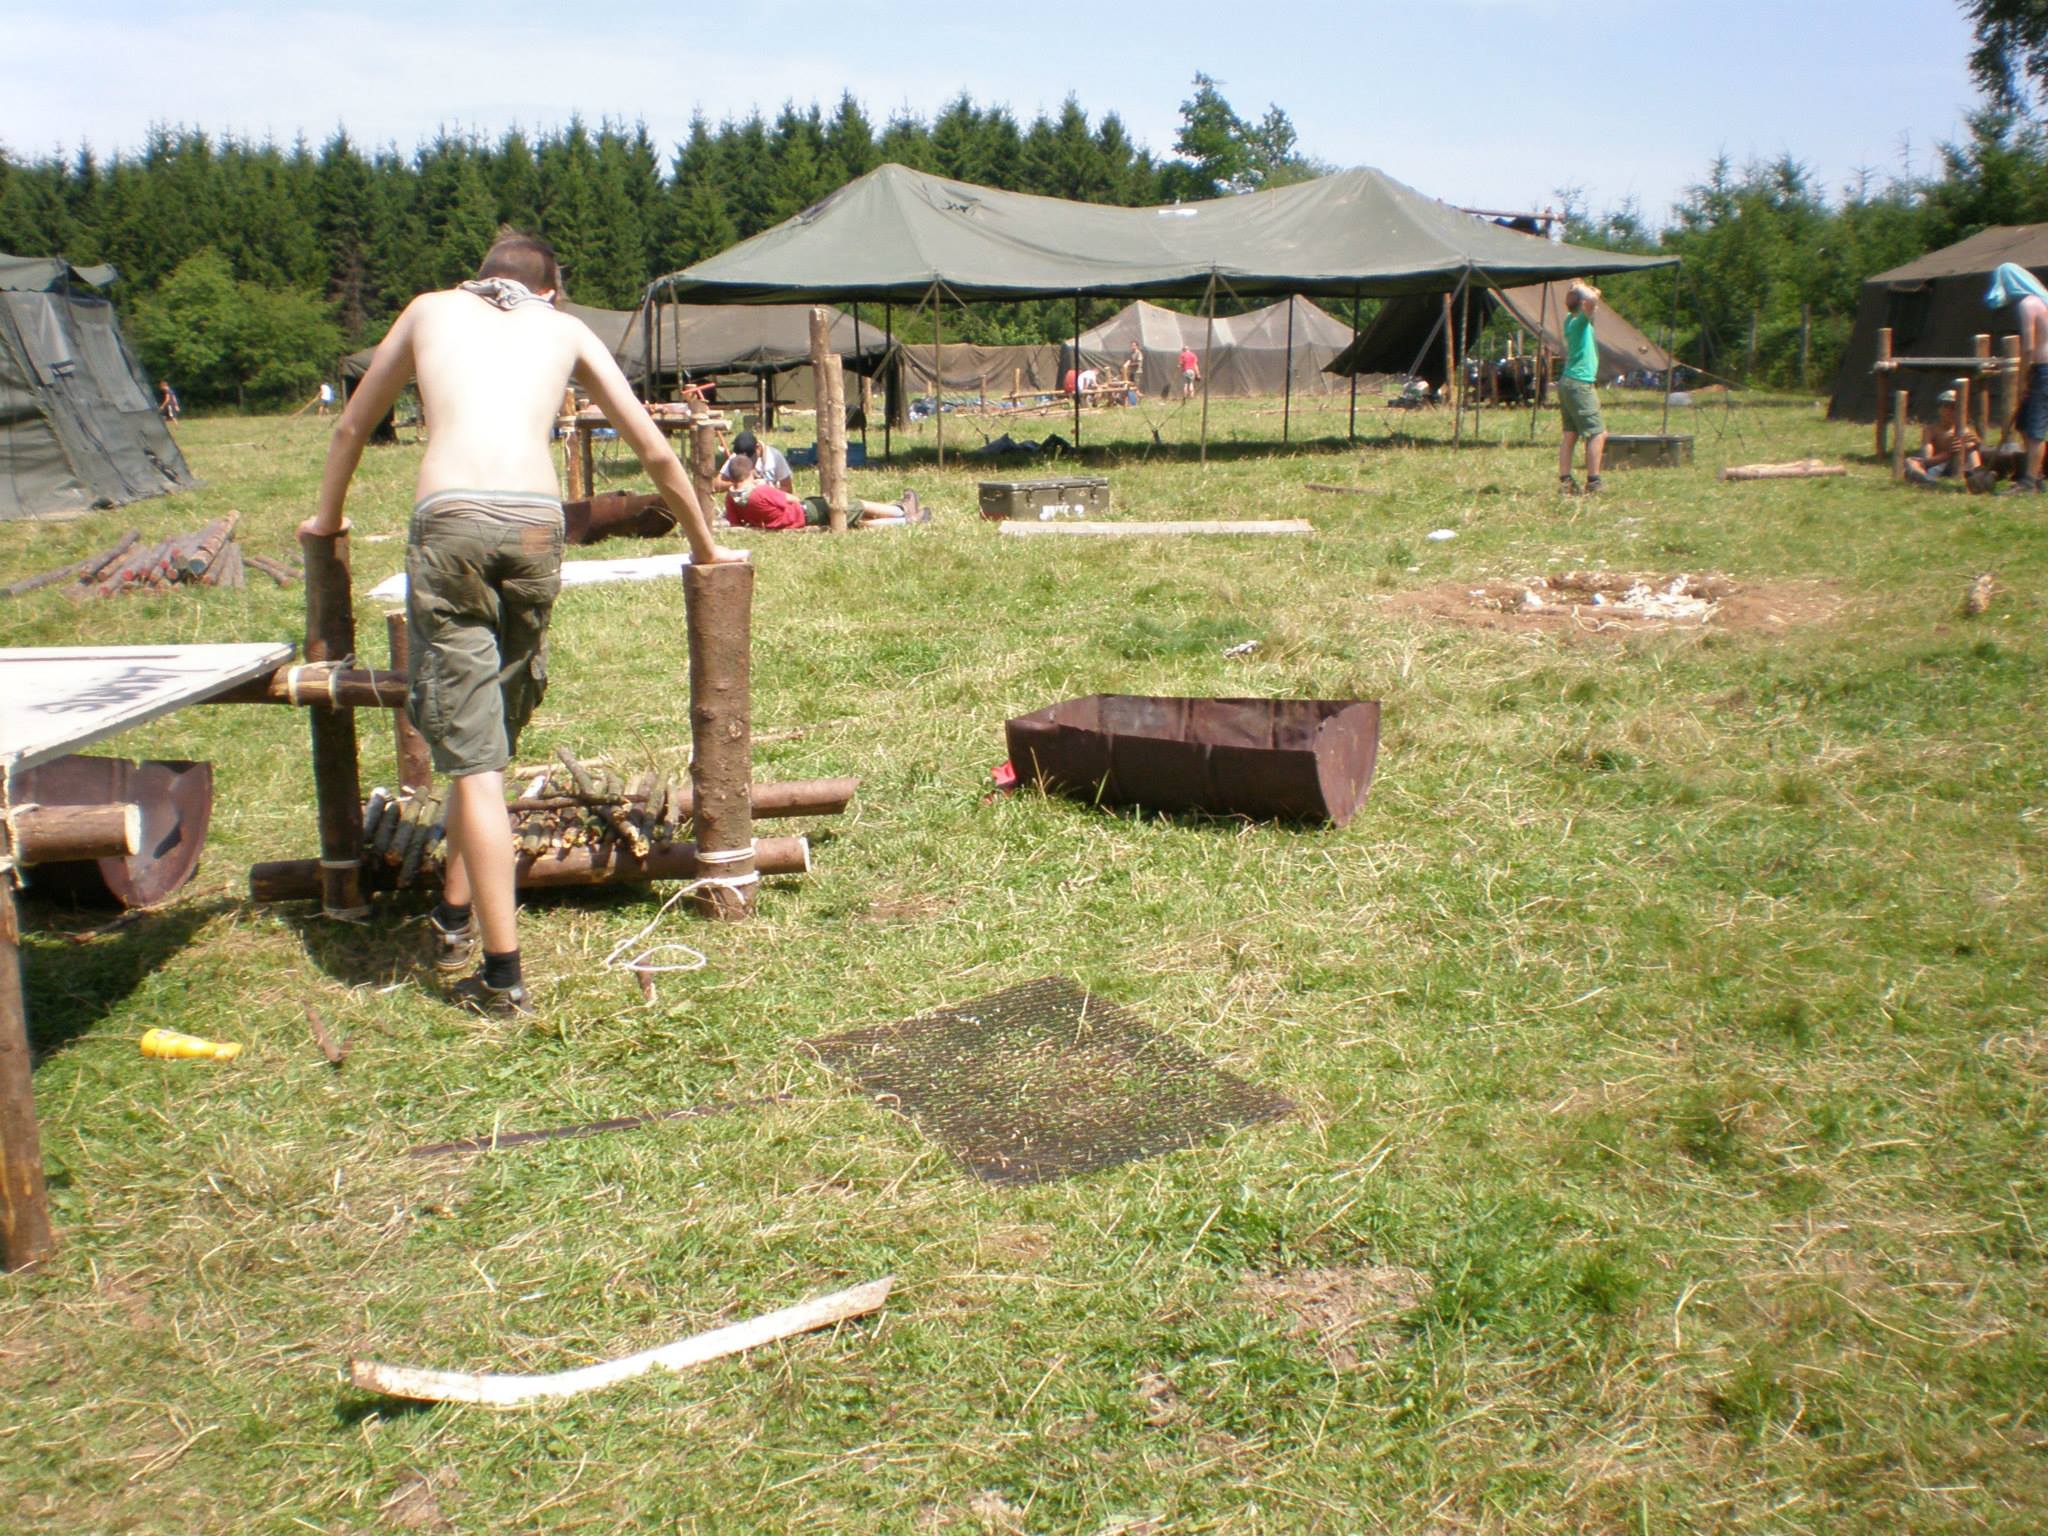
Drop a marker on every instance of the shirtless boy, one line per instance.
(1948, 448)
(483, 559)
(2012, 284)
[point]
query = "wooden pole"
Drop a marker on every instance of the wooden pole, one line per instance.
(1983, 418)
(704, 468)
(60, 834)
(894, 364)
(718, 613)
(1077, 372)
(1351, 430)
(337, 787)
(25, 1234)
(2009, 392)
(415, 762)
(866, 382)
(1963, 414)
(1541, 348)
(556, 869)
(1287, 397)
(1884, 387)
(938, 371)
(1208, 352)
(572, 449)
(1670, 358)
(828, 384)
(1899, 402)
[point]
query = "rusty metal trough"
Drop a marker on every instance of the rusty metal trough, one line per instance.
(176, 800)
(1270, 759)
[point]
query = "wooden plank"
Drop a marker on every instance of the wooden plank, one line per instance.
(62, 698)
(1280, 525)
(580, 573)
(504, 1391)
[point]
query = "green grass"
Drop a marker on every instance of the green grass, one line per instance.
(1671, 1013)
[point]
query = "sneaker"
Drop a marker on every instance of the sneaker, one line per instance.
(912, 512)
(479, 996)
(1567, 486)
(454, 948)
(1592, 485)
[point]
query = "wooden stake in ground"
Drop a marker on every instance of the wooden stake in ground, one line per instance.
(1899, 401)
(337, 785)
(704, 468)
(498, 1391)
(1884, 387)
(24, 1202)
(2009, 385)
(718, 603)
(831, 424)
(415, 762)
(1983, 418)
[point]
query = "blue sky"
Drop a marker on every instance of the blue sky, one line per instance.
(1494, 103)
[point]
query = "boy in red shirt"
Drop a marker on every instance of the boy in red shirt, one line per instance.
(754, 503)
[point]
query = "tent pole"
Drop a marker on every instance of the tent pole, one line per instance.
(889, 395)
(938, 371)
(1351, 431)
(1077, 373)
(1465, 345)
(647, 345)
(858, 354)
(1542, 369)
(675, 312)
(1208, 353)
(1287, 395)
(1670, 359)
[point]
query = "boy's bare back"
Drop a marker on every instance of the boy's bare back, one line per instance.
(490, 383)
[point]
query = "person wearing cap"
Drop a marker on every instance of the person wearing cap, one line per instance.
(1946, 448)
(2013, 286)
(752, 502)
(765, 463)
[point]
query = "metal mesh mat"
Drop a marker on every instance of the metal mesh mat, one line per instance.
(1042, 1081)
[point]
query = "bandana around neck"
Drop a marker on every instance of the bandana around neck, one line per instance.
(505, 292)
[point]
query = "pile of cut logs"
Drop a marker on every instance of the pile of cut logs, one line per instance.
(208, 557)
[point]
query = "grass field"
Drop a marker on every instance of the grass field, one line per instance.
(1667, 1033)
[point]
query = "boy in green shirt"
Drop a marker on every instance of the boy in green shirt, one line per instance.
(1580, 403)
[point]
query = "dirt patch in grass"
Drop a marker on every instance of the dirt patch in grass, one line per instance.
(1342, 1308)
(893, 904)
(416, 1505)
(1620, 603)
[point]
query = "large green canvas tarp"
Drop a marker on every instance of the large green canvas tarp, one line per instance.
(1934, 305)
(901, 235)
(78, 421)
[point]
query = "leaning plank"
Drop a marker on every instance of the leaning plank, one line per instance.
(1142, 530)
(1798, 469)
(497, 1391)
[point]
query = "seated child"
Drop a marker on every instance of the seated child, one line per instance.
(753, 503)
(1946, 448)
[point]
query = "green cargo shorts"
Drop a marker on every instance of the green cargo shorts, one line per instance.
(482, 570)
(1581, 406)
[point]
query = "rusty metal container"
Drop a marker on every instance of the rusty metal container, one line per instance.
(1041, 501)
(1270, 759)
(177, 807)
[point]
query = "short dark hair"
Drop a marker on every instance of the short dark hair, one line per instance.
(524, 258)
(742, 466)
(745, 443)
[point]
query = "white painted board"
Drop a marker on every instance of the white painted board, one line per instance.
(54, 701)
(578, 573)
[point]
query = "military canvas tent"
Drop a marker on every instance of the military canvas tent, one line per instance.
(901, 236)
(78, 421)
(1406, 336)
(961, 367)
(1248, 354)
(1934, 305)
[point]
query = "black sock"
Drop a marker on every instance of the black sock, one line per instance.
(452, 918)
(501, 971)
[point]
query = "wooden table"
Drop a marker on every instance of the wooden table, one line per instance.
(58, 700)
(579, 431)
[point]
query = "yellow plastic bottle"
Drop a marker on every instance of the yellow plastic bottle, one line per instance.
(169, 1045)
